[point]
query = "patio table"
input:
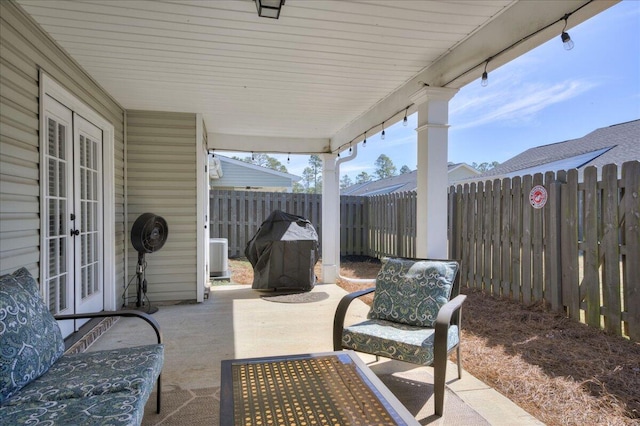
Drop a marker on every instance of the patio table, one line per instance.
(331, 388)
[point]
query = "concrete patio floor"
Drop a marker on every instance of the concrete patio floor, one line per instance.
(236, 323)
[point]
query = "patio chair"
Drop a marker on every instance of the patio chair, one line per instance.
(414, 317)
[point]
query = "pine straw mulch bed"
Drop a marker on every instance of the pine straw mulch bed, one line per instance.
(560, 371)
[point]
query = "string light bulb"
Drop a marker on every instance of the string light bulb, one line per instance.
(253, 157)
(404, 120)
(485, 76)
(288, 158)
(382, 134)
(350, 148)
(566, 39)
(364, 143)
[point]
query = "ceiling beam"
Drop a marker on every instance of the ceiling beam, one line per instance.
(266, 144)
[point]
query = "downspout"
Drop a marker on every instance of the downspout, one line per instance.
(352, 156)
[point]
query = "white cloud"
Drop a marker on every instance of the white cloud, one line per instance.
(515, 103)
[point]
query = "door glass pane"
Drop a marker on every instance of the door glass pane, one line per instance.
(53, 177)
(62, 140)
(55, 203)
(53, 294)
(62, 218)
(89, 205)
(62, 177)
(52, 138)
(53, 256)
(63, 292)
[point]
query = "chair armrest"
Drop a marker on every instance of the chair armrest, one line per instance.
(125, 313)
(341, 312)
(445, 314)
(448, 309)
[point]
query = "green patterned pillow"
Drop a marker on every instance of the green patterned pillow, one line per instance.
(30, 339)
(412, 291)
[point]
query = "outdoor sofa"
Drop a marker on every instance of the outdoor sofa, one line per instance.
(41, 385)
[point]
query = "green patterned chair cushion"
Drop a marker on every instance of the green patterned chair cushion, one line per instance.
(412, 291)
(111, 409)
(30, 339)
(397, 341)
(83, 375)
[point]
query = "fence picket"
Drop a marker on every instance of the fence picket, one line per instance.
(488, 236)
(610, 250)
(515, 237)
(479, 236)
(631, 266)
(496, 239)
(553, 247)
(536, 248)
(527, 221)
(570, 272)
(590, 289)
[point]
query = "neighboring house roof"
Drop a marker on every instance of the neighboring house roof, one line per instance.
(405, 182)
(239, 174)
(614, 144)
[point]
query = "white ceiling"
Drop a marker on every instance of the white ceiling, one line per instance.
(321, 74)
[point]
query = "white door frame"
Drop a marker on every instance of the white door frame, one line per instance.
(50, 87)
(202, 211)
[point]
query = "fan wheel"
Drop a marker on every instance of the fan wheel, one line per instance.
(149, 233)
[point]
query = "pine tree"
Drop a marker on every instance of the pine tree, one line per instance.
(384, 167)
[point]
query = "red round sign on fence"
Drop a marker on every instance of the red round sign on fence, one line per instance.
(538, 197)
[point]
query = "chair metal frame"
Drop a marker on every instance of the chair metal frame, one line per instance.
(449, 314)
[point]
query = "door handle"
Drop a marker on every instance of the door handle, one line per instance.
(75, 232)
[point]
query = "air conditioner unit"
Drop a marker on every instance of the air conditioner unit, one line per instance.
(218, 258)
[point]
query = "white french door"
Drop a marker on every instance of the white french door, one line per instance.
(87, 192)
(72, 206)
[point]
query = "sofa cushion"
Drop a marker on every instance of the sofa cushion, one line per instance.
(111, 409)
(397, 341)
(86, 374)
(412, 291)
(30, 339)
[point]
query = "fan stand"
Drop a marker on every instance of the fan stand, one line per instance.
(142, 287)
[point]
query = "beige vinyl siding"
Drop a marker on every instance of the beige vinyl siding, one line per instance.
(237, 176)
(161, 179)
(24, 49)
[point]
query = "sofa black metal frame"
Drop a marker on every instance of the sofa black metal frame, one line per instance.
(449, 314)
(126, 313)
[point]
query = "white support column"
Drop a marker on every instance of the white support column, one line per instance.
(330, 219)
(433, 139)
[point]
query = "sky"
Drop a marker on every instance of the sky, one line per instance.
(545, 96)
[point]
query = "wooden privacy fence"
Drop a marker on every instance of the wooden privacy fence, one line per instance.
(237, 215)
(580, 252)
(392, 224)
(371, 226)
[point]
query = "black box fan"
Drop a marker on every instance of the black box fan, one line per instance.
(148, 235)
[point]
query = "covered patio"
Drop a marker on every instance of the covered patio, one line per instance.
(156, 87)
(164, 84)
(235, 322)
